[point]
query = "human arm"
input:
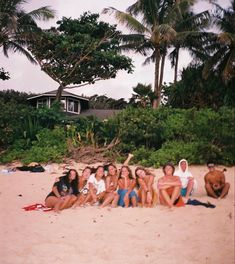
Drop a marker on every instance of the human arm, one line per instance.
(92, 191)
(107, 184)
(56, 192)
(164, 184)
(121, 184)
(142, 184)
(126, 162)
(222, 180)
(131, 186)
(150, 182)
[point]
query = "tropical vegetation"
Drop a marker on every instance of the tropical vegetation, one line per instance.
(194, 114)
(18, 27)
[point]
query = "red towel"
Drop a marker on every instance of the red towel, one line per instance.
(37, 207)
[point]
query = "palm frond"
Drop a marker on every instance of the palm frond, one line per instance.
(16, 47)
(43, 13)
(149, 59)
(167, 32)
(127, 20)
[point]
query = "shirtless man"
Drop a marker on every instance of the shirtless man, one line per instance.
(215, 184)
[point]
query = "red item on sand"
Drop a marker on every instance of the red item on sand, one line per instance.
(37, 207)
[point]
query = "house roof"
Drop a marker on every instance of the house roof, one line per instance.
(64, 94)
(100, 113)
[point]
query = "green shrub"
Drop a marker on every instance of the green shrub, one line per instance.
(50, 146)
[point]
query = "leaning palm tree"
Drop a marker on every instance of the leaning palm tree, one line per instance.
(17, 26)
(222, 47)
(151, 31)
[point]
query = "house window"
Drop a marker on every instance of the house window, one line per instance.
(52, 100)
(74, 106)
(63, 103)
(41, 103)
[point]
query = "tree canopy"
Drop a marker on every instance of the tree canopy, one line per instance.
(194, 91)
(80, 51)
(4, 75)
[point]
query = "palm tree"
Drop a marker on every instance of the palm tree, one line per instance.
(153, 33)
(17, 26)
(150, 34)
(143, 95)
(222, 47)
(190, 29)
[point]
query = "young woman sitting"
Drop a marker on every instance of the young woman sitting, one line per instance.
(126, 185)
(64, 192)
(111, 197)
(96, 186)
(146, 193)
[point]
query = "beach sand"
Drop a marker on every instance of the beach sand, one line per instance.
(192, 234)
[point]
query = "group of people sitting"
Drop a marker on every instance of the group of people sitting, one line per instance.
(120, 188)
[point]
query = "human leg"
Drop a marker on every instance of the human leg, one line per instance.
(165, 198)
(87, 199)
(142, 197)
(133, 197)
(149, 198)
(80, 200)
(65, 202)
(115, 200)
(189, 188)
(107, 199)
(175, 194)
(224, 190)
(210, 191)
(121, 194)
(53, 202)
(72, 200)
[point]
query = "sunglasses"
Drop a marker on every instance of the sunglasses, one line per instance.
(211, 166)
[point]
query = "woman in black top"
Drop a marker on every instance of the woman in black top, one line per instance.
(64, 192)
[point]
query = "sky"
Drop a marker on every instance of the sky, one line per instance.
(26, 77)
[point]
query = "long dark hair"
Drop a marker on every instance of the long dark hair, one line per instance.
(111, 165)
(73, 183)
(129, 170)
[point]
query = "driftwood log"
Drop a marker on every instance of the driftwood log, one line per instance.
(91, 154)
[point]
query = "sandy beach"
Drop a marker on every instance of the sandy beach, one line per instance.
(192, 234)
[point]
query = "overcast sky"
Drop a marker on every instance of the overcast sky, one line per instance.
(26, 77)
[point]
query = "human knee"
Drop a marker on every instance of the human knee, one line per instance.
(149, 200)
(73, 199)
(208, 186)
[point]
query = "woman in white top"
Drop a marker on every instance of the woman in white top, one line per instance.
(187, 180)
(96, 186)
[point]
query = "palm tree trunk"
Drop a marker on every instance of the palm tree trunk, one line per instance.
(162, 73)
(156, 101)
(59, 92)
(176, 65)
